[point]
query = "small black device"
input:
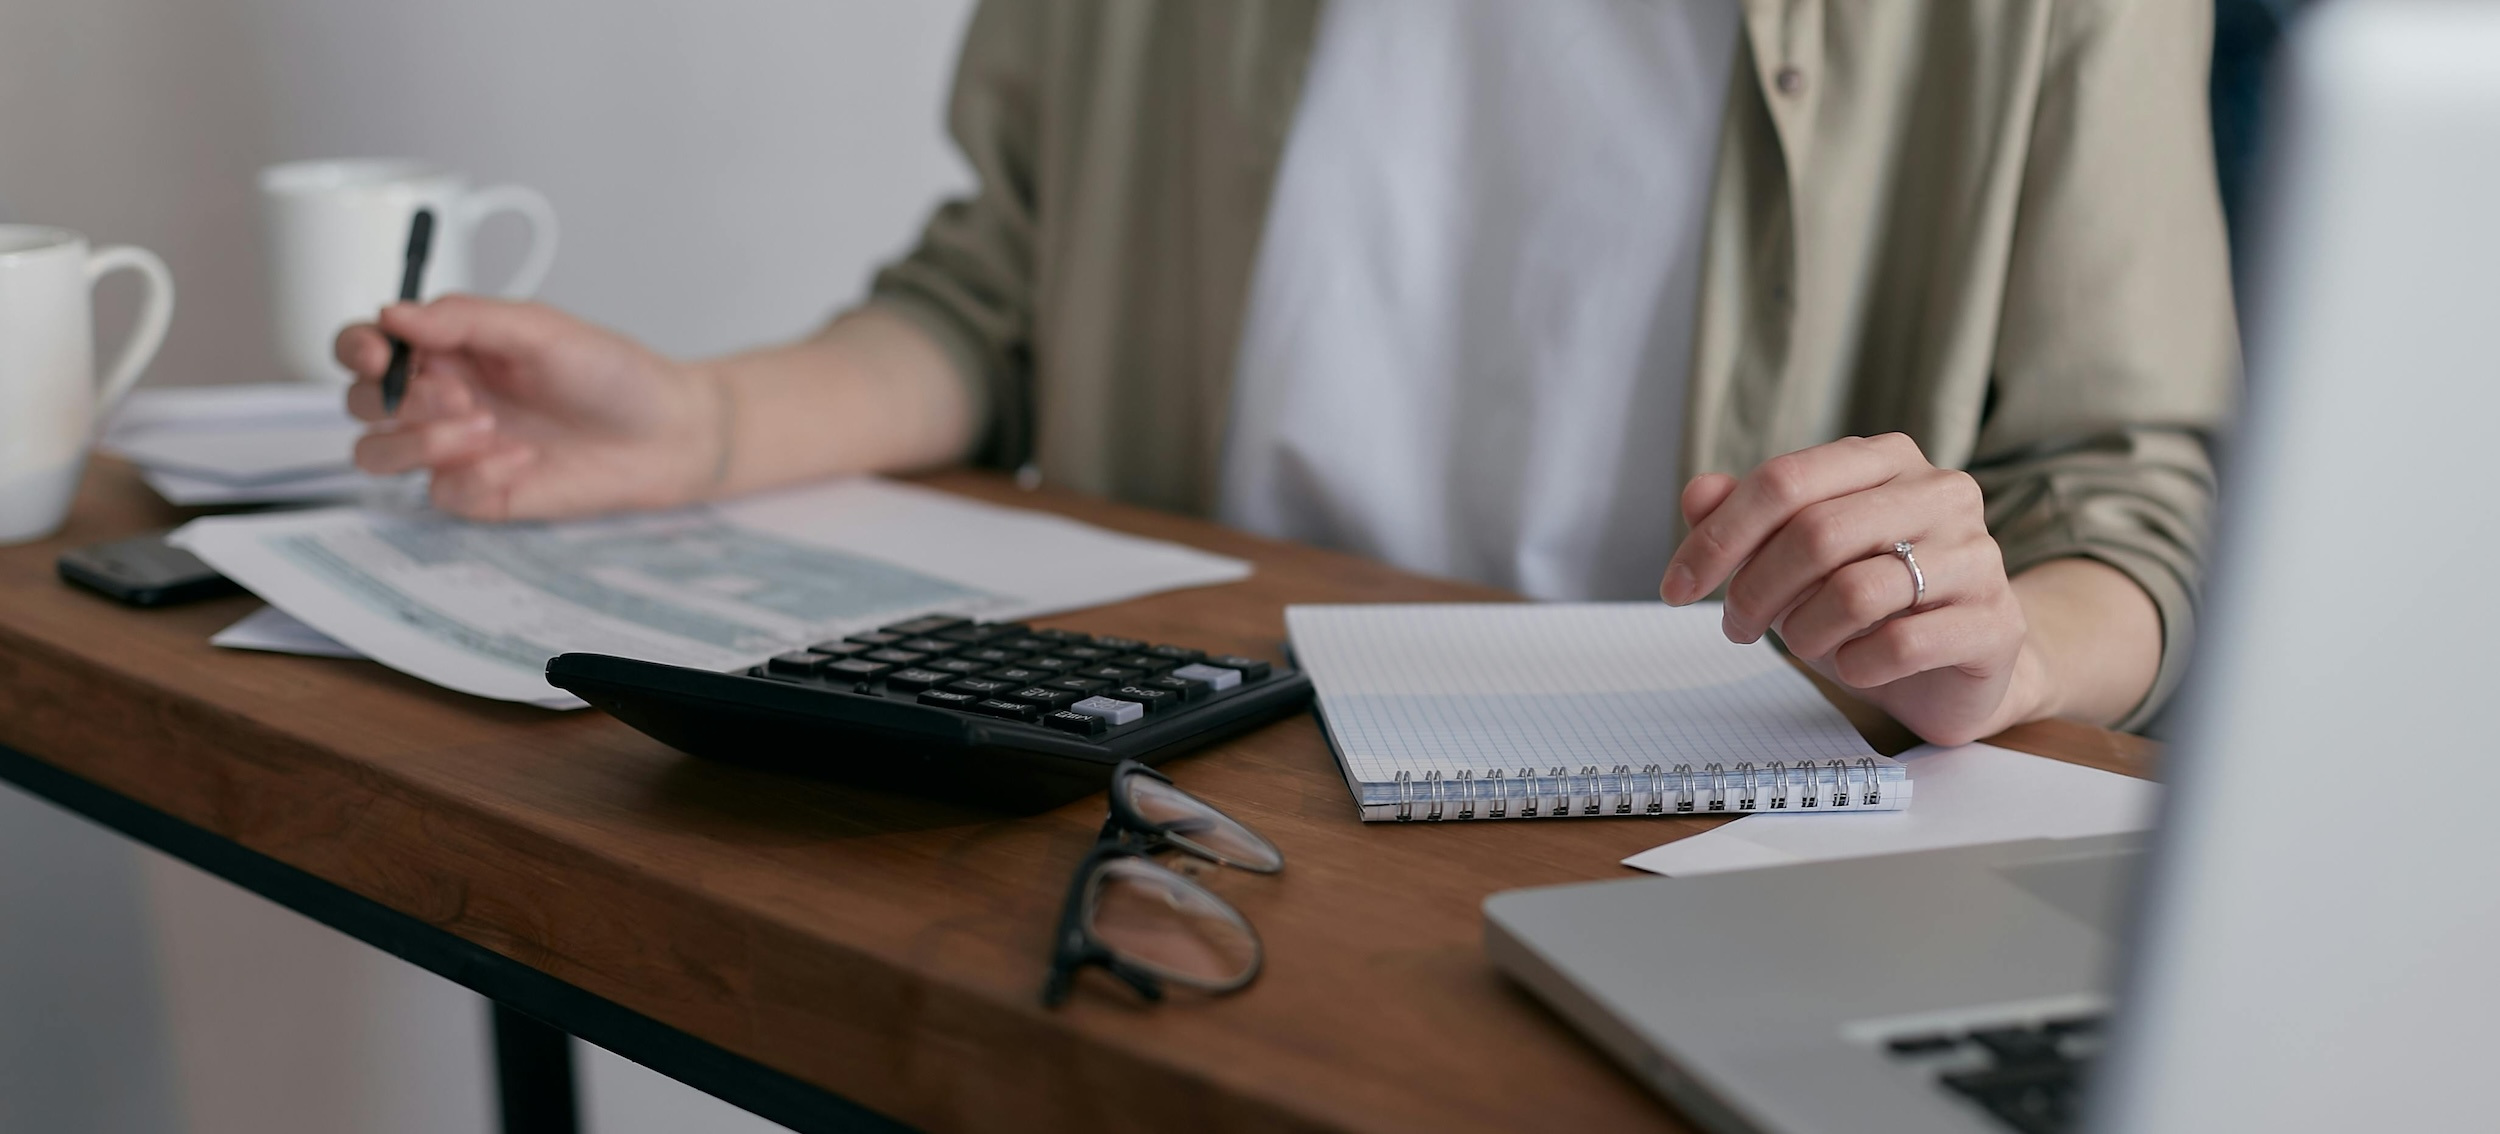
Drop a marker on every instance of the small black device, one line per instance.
(143, 571)
(999, 715)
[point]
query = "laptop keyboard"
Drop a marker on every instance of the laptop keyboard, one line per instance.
(2030, 1076)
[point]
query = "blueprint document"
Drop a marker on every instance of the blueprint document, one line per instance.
(481, 607)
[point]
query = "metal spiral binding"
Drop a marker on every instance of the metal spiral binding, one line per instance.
(1501, 795)
(1874, 783)
(1406, 796)
(1713, 788)
(1467, 780)
(1432, 791)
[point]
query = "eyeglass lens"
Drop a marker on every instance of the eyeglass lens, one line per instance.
(1157, 919)
(1187, 820)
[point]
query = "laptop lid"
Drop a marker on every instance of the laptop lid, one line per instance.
(2318, 942)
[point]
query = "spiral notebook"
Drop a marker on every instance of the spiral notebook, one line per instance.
(1546, 710)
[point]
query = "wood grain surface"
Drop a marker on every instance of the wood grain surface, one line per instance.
(886, 949)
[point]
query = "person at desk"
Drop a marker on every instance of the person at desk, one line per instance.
(1472, 287)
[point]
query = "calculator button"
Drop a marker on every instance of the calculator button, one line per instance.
(796, 662)
(841, 649)
(1027, 644)
(927, 624)
(855, 669)
(891, 656)
(926, 645)
(1012, 710)
(1090, 655)
(1055, 665)
(956, 666)
(1066, 720)
(1218, 678)
(915, 680)
(1065, 637)
(1251, 669)
(990, 655)
(1077, 684)
(1111, 673)
(1112, 712)
(1046, 698)
(1018, 674)
(1176, 653)
(1144, 663)
(1155, 700)
(974, 635)
(947, 699)
(1187, 689)
(980, 686)
(875, 638)
(1121, 645)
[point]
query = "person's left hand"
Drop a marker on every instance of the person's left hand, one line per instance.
(1808, 540)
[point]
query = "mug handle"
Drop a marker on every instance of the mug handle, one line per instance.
(156, 313)
(531, 206)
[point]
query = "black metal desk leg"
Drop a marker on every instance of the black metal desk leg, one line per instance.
(534, 1075)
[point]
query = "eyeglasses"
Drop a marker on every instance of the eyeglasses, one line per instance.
(1141, 921)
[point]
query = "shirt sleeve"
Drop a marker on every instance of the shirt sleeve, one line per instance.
(969, 281)
(2118, 355)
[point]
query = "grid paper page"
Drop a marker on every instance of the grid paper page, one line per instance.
(1500, 687)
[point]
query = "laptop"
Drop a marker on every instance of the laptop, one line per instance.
(2292, 948)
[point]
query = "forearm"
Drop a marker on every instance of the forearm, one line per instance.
(869, 393)
(2094, 642)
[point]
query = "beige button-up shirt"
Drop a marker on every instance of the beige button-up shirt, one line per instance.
(1989, 224)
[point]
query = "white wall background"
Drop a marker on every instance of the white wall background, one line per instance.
(728, 173)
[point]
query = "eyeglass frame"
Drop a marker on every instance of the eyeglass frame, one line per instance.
(1128, 834)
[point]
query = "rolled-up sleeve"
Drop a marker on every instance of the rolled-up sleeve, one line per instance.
(969, 281)
(2118, 356)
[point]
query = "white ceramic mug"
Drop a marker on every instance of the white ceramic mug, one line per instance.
(49, 398)
(338, 238)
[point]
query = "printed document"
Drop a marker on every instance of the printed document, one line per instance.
(481, 607)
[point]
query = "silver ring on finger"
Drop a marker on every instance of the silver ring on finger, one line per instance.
(1908, 552)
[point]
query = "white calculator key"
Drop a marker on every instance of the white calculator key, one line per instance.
(1217, 677)
(1116, 712)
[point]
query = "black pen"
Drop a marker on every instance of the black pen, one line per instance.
(411, 281)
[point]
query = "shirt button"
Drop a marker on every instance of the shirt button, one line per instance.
(1789, 80)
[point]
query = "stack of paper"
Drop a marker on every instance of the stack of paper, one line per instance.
(243, 444)
(481, 607)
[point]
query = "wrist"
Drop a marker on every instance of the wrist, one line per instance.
(705, 442)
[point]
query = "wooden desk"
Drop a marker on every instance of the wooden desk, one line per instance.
(788, 944)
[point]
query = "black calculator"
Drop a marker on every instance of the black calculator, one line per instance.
(996, 714)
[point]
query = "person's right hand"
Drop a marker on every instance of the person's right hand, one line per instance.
(521, 411)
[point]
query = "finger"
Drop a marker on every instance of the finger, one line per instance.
(444, 387)
(1947, 637)
(1704, 495)
(1766, 498)
(483, 489)
(361, 348)
(1938, 504)
(387, 452)
(468, 322)
(1850, 602)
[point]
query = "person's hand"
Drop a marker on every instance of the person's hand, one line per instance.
(522, 412)
(1807, 538)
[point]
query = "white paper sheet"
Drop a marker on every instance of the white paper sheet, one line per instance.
(1973, 794)
(480, 608)
(261, 443)
(275, 631)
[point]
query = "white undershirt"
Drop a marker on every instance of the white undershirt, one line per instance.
(1470, 322)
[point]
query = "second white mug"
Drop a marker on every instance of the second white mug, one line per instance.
(337, 235)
